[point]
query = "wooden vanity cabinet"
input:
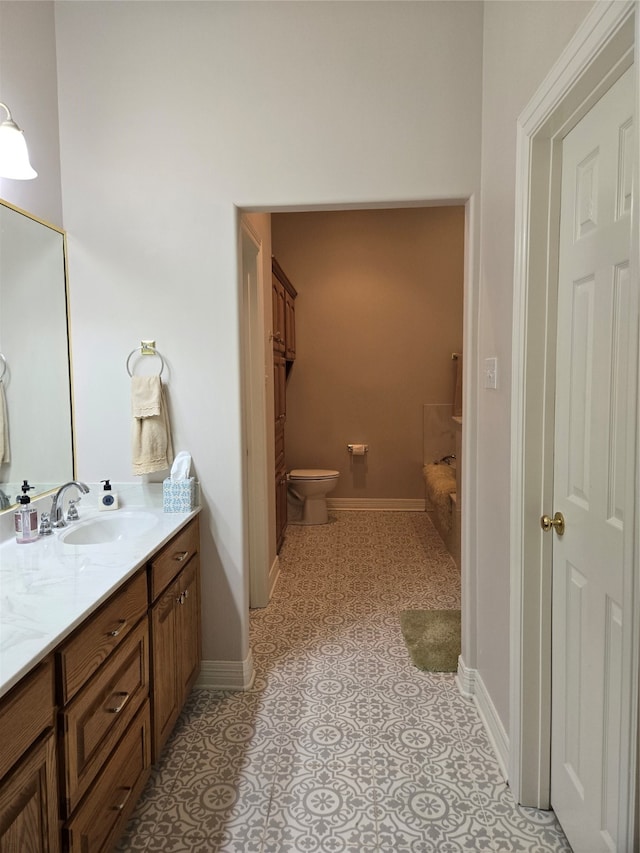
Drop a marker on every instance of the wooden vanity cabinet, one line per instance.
(28, 769)
(80, 731)
(174, 578)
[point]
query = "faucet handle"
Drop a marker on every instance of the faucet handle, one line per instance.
(45, 525)
(72, 512)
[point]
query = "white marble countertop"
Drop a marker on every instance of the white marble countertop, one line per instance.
(47, 587)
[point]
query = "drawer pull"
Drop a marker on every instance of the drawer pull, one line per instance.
(118, 630)
(121, 805)
(123, 697)
(181, 556)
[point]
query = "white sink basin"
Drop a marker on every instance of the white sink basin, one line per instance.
(109, 529)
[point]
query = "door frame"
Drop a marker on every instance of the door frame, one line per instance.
(601, 50)
(255, 443)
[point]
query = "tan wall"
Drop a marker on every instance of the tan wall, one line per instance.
(378, 314)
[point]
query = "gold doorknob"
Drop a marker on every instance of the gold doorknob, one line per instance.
(557, 522)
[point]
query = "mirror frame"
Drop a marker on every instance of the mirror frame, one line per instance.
(44, 489)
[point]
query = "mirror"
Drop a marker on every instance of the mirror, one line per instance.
(34, 342)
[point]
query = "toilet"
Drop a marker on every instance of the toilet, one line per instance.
(308, 489)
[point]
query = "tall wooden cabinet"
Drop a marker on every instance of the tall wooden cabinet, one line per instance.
(283, 295)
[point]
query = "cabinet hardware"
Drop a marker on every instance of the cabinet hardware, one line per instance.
(124, 698)
(122, 804)
(181, 556)
(118, 630)
(557, 522)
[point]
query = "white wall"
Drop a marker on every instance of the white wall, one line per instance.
(171, 114)
(522, 40)
(28, 86)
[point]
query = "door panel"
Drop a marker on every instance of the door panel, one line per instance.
(590, 470)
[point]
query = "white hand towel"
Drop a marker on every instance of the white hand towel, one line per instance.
(151, 445)
(5, 453)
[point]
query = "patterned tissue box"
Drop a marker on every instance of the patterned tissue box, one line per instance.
(179, 495)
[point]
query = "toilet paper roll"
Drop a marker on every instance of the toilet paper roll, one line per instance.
(358, 449)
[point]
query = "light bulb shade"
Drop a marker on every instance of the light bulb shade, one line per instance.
(14, 157)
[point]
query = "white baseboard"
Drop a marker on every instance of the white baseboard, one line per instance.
(381, 504)
(466, 679)
(470, 684)
(226, 674)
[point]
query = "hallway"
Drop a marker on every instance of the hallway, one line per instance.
(341, 745)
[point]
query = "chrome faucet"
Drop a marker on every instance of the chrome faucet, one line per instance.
(57, 514)
(5, 503)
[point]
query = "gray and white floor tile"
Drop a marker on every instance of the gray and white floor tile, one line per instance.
(341, 745)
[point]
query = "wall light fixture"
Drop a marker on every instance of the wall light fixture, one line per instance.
(14, 157)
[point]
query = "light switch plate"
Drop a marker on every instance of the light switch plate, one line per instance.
(491, 373)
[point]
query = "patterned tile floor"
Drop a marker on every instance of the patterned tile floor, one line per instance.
(341, 745)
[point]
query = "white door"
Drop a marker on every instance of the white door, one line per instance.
(592, 409)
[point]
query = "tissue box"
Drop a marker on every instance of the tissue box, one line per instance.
(179, 495)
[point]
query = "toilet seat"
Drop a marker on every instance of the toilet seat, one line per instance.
(312, 474)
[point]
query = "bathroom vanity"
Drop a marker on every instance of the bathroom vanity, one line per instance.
(99, 648)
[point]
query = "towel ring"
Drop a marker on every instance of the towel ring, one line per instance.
(142, 349)
(3, 365)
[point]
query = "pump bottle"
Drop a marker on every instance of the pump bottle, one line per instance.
(25, 517)
(108, 498)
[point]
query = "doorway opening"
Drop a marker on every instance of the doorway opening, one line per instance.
(265, 568)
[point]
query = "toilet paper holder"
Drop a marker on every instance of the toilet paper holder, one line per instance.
(358, 449)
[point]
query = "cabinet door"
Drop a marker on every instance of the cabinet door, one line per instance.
(29, 803)
(290, 327)
(280, 390)
(164, 650)
(189, 634)
(278, 308)
(281, 507)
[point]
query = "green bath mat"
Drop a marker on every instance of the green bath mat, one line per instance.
(432, 638)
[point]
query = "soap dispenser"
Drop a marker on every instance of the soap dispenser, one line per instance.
(108, 498)
(25, 517)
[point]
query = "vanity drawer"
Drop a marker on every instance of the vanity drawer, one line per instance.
(25, 712)
(89, 647)
(173, 558)
(103, 814)
(98, 716)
